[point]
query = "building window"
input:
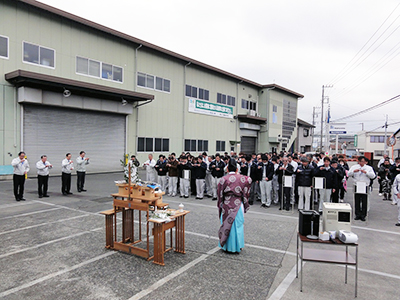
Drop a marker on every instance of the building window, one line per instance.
(161, 145)
(38, 55)
(378, 152)
(98, 69)
(153, 144)
(306, 132)
(220, 146)
(226, 99)
(196, 145)
(377, 139)
(302, 149)
(153, 82)
(274, 108)
(3, 46)
(204, 94)
(246, 104)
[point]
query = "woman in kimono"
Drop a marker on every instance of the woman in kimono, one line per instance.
(233, 193)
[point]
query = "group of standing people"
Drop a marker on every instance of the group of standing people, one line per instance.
(21, 168)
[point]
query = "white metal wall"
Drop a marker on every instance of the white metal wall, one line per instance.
(54, 131)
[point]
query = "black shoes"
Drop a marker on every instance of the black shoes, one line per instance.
(214, 198)
(69, 193)
(357, 218)
(83, 190)
(397, 224)
(362, 219)
(46, 196)
(186, 196)
(40, 196)
(21, 199)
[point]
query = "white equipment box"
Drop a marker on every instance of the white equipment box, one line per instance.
(336, 216)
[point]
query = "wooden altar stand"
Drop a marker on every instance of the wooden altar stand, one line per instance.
(131, 198)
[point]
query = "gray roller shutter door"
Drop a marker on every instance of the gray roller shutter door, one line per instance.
(55, 131)
(248, 144)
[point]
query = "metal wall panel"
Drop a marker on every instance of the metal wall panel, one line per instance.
(54, 131)
(248, 144)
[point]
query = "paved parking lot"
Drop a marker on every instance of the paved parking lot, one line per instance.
(53, 248)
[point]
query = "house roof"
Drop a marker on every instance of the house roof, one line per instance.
(137, 41)
(304, 123)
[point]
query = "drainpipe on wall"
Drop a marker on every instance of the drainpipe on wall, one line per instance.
(237, 123)
(183, 106)
(135, 88)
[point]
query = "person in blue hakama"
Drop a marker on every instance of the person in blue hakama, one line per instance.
(233, 193)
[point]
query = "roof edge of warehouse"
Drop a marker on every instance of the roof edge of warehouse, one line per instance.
(27, 78)
(127, 37)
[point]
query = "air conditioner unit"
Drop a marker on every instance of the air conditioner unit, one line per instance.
(258, 114)
(252, 113)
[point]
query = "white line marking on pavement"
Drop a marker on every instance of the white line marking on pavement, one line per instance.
(52, 275)
(285, 284)
(31, 213)
(376, 230)
(42, 224)
(16, 204)
(173, 275)
(43, 244)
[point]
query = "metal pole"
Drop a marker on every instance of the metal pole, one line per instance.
(322, 120)
(337, 144)
(312, 129)
(384, 144)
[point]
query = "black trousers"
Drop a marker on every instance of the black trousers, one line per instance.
(19, 182)
(286, 197)
(80, 180)
(335, 196)
(65, 183)
(43, 184)
(360, 203)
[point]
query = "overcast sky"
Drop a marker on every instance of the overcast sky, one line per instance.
(299, 44)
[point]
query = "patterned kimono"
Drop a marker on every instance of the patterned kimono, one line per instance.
(233, 193)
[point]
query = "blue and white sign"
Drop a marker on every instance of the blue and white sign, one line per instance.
(337, 128)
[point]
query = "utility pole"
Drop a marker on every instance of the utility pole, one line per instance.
(385, 145)
(312, 129)
(322, 114)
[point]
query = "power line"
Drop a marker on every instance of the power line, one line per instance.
(342, 73)
(370, 108)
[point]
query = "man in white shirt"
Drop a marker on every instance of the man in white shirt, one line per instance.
(361, 172)
(81, 162)
(67, 165)
(295, 166)
(21, 168)
(396, 196)
(43, 166)
(150, 171)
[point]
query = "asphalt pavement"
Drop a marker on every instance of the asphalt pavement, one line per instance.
(54, 248)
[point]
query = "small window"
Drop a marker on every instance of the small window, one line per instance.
(106, 72)
(188, 91)
(141, 79)
(245, 104)
(220, 146)
(82, 65)
(149, 145)
(167, 85)
(305, 132)
(150, 81)
(94, 68)
(201, 93)
(117, 74)
(159, 83)
(253, 105)
(31, 53)
(187, 145)
(3, 46)
(200, 145)
(274, 108)
(140, 147)
(194, 92)
(205, 145)
(231, 100)
(165, 145)
(46, 57)
(206, 95)
(193, 145)
(157, 145)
